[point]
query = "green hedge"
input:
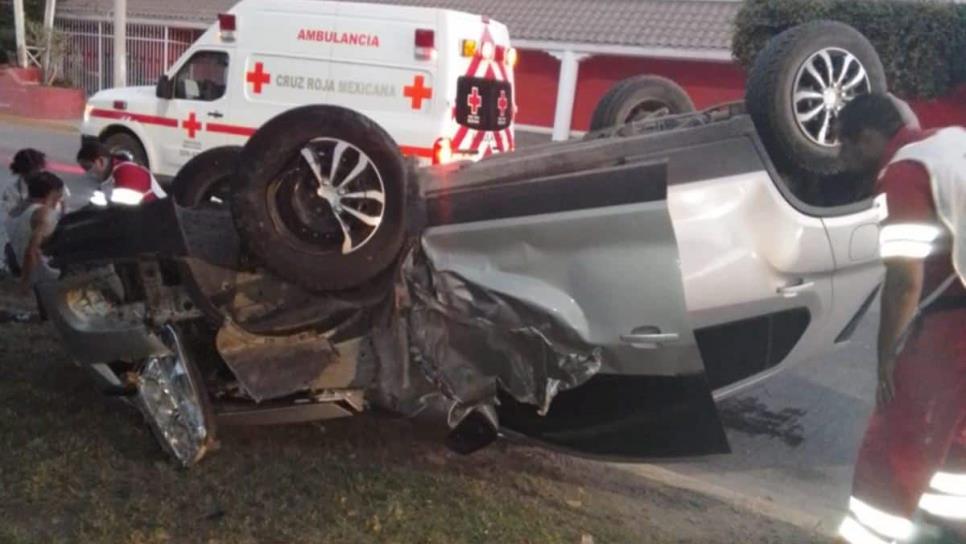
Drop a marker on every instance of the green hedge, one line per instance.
(922, 43)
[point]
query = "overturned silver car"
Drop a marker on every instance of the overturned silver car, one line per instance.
(560, 293)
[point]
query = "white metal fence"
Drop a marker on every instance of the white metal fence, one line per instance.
(151, 48)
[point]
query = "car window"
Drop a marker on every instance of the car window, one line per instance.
(203, 77)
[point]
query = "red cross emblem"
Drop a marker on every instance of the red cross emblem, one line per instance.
(474, 101)
(258, 77)
(417, 92)
(191, 124)
(502, 104)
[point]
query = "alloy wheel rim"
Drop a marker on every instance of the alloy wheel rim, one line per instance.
(331, 197)
(827, 81)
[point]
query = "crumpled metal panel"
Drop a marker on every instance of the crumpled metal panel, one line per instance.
(269, 367)
(451, 345)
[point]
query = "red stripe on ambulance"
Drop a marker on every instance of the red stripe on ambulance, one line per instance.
(124, 115)
(192, 125)
(234, 130)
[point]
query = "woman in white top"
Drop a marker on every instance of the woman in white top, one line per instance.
(26, 163)
(31, 225)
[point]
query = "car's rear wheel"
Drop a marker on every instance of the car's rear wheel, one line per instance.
(126, 143)
(320, 198)
(639, 98)
(799, 84)
(173, 398)
(206, 178)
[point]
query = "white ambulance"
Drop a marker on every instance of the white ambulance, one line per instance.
(440, 82)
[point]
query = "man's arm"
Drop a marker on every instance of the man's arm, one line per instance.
(900, 298)
(41, 227)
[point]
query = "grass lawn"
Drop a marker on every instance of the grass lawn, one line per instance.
(77, 467)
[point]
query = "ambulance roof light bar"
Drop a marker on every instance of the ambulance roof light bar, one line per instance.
(227, 24)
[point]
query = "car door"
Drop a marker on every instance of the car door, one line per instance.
(200, 105)
(757, 270)
(597, 251)
(854, 235)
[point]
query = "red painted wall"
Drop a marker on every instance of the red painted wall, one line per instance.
(708, 83)
(21, 95)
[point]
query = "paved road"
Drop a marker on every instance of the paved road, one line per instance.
(794, 437)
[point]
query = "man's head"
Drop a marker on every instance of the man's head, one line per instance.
(866, 125)
(45, 188)
(95, 159)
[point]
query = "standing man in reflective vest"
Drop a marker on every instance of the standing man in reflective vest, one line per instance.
(122, 181)
(910, 477)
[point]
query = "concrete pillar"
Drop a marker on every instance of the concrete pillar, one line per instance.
(120, 43)
(49, 9)
(566, 92)
(20, 31)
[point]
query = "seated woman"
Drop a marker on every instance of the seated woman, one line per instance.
(25, 163)
(30, 226)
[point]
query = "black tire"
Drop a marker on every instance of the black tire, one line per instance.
(289, 226)
(206, 175)
(638, 98)
(772, 86)
(125, 141)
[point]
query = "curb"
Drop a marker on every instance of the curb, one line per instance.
(760, 506)
(70, 126)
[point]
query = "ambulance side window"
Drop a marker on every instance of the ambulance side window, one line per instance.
(203, 77)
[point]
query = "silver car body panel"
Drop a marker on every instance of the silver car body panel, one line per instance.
(605, 272)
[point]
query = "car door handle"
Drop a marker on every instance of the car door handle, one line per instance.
(649, 340)
(795, 289)
(215, 114)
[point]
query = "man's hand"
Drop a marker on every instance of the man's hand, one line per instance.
(900, 299)
(887, 388)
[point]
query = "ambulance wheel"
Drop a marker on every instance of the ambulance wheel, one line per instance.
(799, 84)
(639, 98)
(125, 142)
(320, 198)
(206, 178)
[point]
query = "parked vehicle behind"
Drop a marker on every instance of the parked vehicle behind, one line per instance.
(440, 82)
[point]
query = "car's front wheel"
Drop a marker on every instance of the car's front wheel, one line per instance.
(319, 198)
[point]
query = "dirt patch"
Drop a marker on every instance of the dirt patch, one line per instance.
(76, 467)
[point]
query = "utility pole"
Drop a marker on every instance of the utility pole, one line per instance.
(49, 8)
(21, 33)
(120, 43)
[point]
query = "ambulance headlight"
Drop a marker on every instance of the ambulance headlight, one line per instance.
(468, 48)
(87, 113)
(488, 51)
